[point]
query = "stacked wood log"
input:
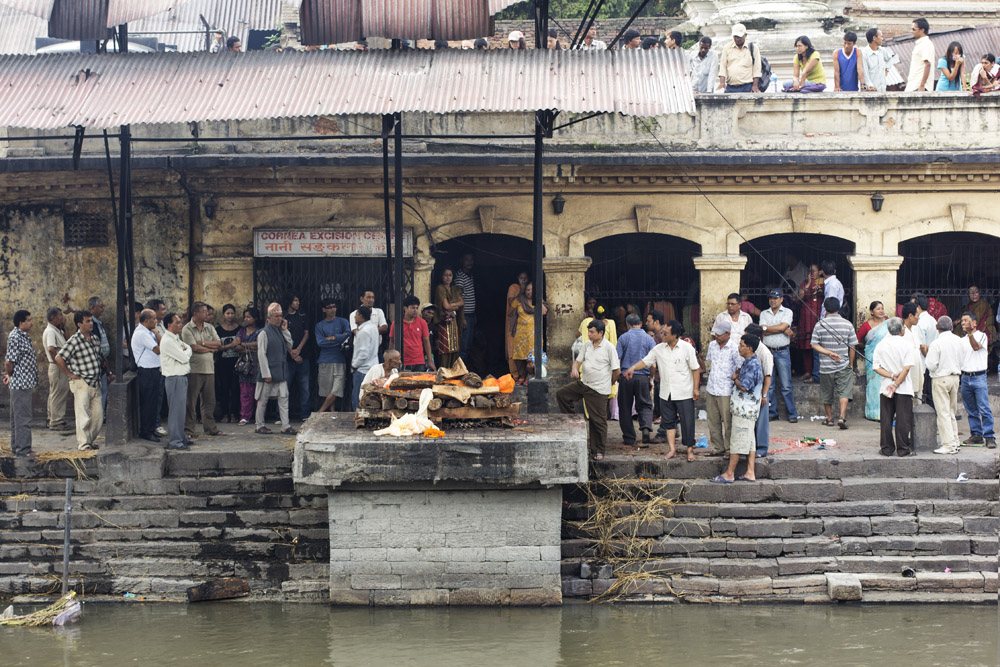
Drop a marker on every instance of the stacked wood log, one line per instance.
(458, 395)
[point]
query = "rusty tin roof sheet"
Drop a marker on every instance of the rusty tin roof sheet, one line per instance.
(338, 21)
(103, 91)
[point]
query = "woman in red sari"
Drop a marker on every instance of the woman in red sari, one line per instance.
(811, 294)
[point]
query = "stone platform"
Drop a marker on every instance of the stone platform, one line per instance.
(473, 517)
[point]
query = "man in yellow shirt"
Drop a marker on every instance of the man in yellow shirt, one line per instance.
(739, 64)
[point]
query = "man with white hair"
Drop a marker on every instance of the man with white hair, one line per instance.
(273, 344)
(893, 359)
(944, 362)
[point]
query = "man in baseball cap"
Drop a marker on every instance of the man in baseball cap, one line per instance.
(723, 358)
(740, 64)
(776, 322)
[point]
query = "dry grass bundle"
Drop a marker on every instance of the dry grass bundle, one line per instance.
(618, 511)
(72, 457)
(43, 616)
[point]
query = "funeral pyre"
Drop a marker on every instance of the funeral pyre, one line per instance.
(460, 399)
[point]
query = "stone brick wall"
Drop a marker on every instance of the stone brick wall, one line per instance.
(445, 547)
(606, 28)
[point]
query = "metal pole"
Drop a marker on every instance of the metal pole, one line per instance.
(538, 238)
(398, 278)
(122, 240)
(387, 121)
(67, 511)
(627, 25)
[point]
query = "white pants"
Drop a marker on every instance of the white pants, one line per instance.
(89, 411)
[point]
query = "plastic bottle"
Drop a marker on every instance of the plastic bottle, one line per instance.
(774, 83)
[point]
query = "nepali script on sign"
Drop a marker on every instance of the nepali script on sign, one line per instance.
(359, 242)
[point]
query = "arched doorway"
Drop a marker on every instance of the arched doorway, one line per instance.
(498, 259)
(945, 265)
(638, 270)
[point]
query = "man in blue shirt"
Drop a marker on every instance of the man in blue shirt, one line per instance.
(633, 346)
(331, 332)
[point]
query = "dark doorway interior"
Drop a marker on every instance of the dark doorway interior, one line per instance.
(634, 271)
(498, 260)
(765, 266)
(945, 265)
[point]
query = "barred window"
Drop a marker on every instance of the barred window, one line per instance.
(85, 230)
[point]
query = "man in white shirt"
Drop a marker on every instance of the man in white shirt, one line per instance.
(832, 287)
(146, 352)
(737, 318)
(911, 334)
(366, 339)
(921, 60)
(704, 67)
(175, 364)
(776, 323)
(53, 340)
(974, 394)
(377, 316)
(926, 327)
(391, 361)
(594, 372)
(590, 41)
(875, 62)
(944, 360)
(893, 359)
(680, 374)
(723, 358)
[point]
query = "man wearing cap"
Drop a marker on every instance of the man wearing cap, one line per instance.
(723, 358)
(739, 64)
(776, 322)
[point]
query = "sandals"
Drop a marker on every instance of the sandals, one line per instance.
(828, 422)
(290, 431)
(598, 457)
(719, 479)
(842, 423)
(263, 430)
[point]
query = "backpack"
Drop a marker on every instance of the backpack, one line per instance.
(765, 71)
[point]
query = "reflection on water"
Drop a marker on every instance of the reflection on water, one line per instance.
(224, 634)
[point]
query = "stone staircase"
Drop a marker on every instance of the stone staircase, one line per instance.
(229, 514)
(808, 530)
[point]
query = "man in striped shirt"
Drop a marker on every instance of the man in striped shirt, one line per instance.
(835, 341)
(465, 282)
(82, 361)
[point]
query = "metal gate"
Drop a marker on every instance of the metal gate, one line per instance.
(315, 278)
(635, 268)
(767, 260)
(945, 265)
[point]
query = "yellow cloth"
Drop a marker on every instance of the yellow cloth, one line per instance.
(610, 330)
(524, 335)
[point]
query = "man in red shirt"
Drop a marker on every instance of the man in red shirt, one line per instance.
(416, 338)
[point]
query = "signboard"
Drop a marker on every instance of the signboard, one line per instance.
(351, 242)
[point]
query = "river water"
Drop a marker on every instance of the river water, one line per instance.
(226, 634)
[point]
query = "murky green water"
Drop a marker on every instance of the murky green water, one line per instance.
(220, 635)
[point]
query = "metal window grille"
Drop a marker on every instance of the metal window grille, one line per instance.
(85, 230)
(945, 265)
(635, 268)
(315, 278)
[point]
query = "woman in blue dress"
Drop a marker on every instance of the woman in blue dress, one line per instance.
(872, 332)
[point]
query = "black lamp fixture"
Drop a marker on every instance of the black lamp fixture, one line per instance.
(210, 207)
(558, 204)
(877, 200)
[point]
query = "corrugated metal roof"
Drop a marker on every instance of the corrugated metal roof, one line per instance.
(235, 17)
(40, 8)
(335, 21)
(79, 19)
(18, 30)
(126, 11)
(975, 42)
(497, 6)
(103, 91)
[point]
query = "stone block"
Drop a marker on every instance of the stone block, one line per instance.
(941, 524)
(202, 518)
(893, 525)
(530, 567)
(479, 597)
(843, 587)
(601, 586)
(349, 598)
(421, 568)
(688, 545)
(822, 546)
(527, 538)
(576, 548)
(375, 581)
(765, 528)
(943, 544)
(733, 567)
(989, 582)
(983, 545)
(847, 526)
(950, 581)
(685, 528)
(744, 587)
(974, 489)
(511, 554)
(925, 489)
(808, 490)
(801, 581)
(372, 554)
(861, 508)
(397, 540)
(535, 597)
(881, 544)
(854, 545)
(694, 585)
(795, 545)
(761, 511)
(874, 581)
(860, 489)
(706, 492)
(484, 539)
(770, 548)
(963, 508)
(573, 587)
(724, 526)
(341, 567)
(988, 525)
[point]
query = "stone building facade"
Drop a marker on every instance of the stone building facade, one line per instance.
(693, 191)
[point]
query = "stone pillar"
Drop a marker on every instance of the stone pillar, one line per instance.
(720, 277)
(874, 280)
(565, 278)
(423, 267)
